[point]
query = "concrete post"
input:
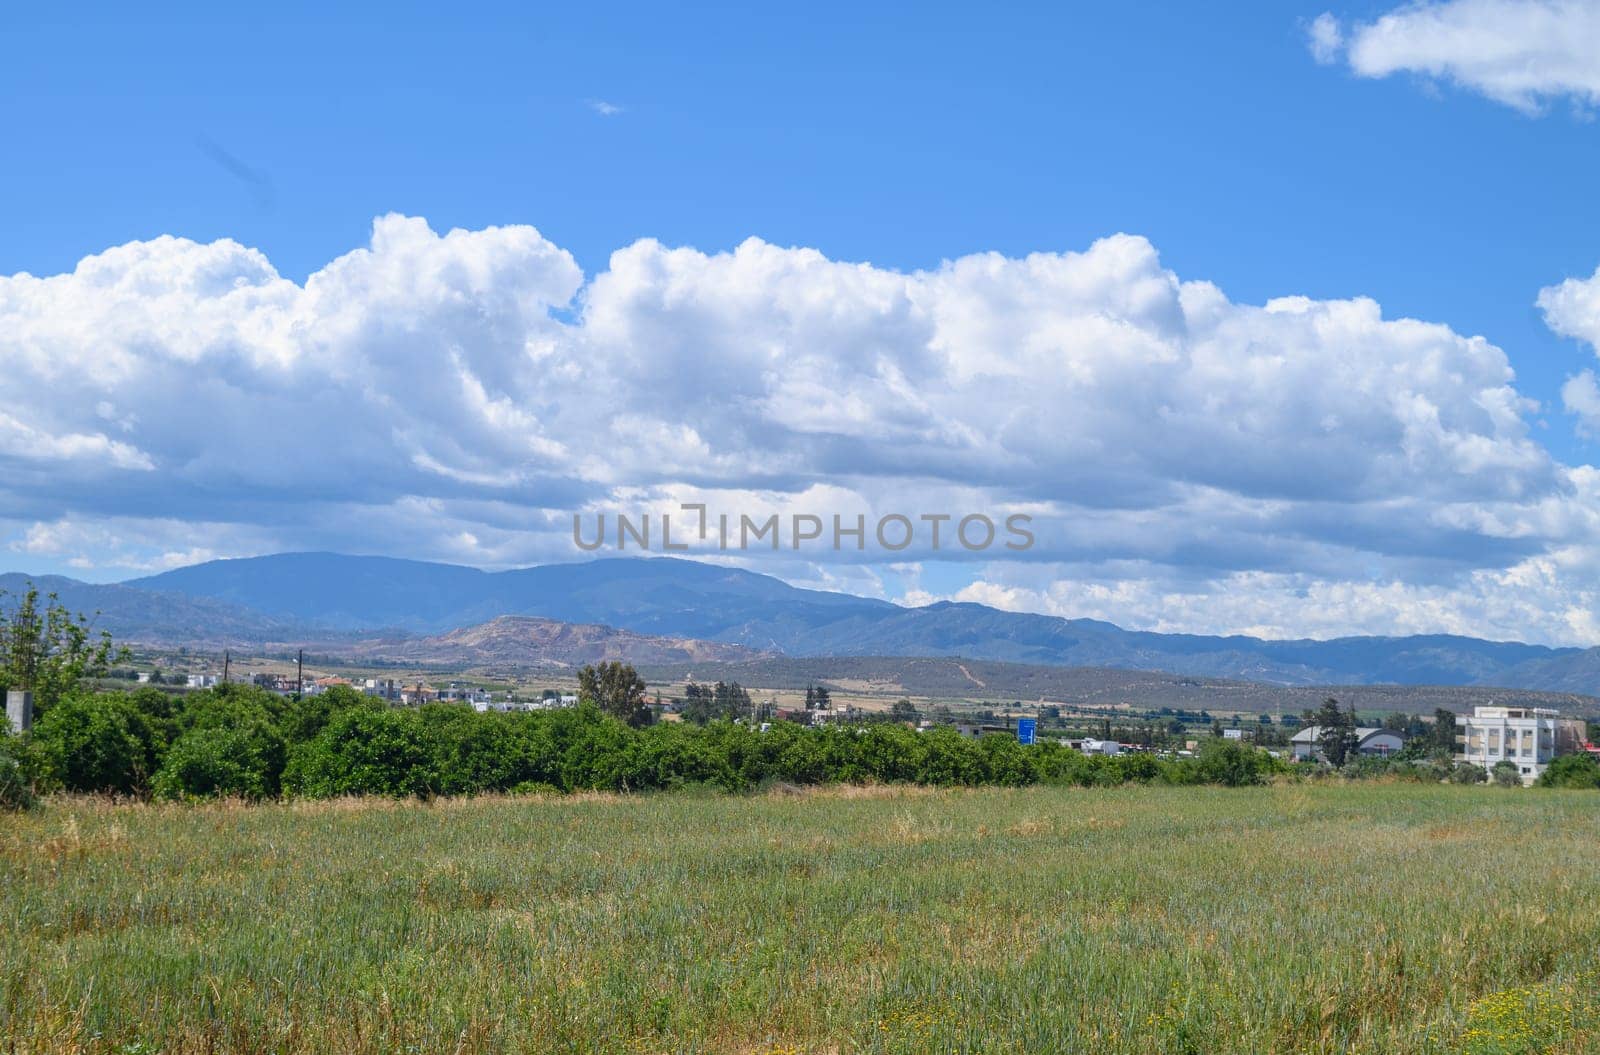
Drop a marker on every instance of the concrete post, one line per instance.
(19, 711)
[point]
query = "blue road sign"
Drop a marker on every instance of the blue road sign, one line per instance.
(1026, 728)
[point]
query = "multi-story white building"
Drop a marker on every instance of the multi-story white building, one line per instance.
(1530, 737)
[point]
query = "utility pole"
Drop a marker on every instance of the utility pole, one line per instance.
(226, 658)
(300, 674)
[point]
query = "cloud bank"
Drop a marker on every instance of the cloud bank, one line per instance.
(1189, 462)
(1523, 53)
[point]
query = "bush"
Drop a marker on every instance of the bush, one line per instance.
(1232, 764)
(98, 743)
(474, 753)
(1506, 775)
(304, 718)
(16, 774)
(364, 752)
(209, 762)
(1571, 771)
(1467, 773)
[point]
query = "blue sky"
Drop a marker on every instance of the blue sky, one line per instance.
(871, 135)
(893, 137)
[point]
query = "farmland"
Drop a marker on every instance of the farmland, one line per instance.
(1299, 918)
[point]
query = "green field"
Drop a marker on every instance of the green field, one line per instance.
(1337, 918)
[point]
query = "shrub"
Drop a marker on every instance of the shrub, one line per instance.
(1233, 764)
(16, 773)
(208, 762)
(304, 718)
(1571, 771)
(1506, 775)
(364, 752)
(98, 743)
(474, 753)
(1467, 773)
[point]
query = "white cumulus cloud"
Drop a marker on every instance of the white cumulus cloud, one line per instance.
(461, 395)
(1523, 53)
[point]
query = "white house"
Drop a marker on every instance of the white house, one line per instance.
(1306, 744)
(1528, 736)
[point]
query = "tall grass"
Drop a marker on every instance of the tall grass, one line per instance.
(1355, 918)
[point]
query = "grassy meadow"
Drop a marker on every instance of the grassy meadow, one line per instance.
(1338, 918)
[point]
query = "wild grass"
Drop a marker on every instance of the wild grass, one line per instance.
(1303, 919)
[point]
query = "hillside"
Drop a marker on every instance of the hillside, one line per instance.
(523, 641)
(144, 617)
(1567, 672)
(652, 596)
(687, 599)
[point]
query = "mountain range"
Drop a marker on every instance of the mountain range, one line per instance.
(323, 597)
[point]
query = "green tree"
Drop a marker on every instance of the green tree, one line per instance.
(617, 690)
(1443, 738)
(699, 704)
(1337, 735)
(98, 743)
(218, 761)
(1571, 771)
(365, 752)
(307, 716)
(1233, 764)
(1505, 774)
(903, 710)
(48, 651)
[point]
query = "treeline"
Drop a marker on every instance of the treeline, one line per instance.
(244, 742)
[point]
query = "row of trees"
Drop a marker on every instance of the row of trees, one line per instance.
(241, 741)
(724, 700)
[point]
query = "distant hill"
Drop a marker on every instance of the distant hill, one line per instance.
(524, 641)
(652, 596)
(144, 617)
(687, 599)
(1570, 671)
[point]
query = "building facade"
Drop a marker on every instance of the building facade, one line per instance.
(1529, 737)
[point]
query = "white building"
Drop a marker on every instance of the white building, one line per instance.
(1530, 737)
(1306, 745)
